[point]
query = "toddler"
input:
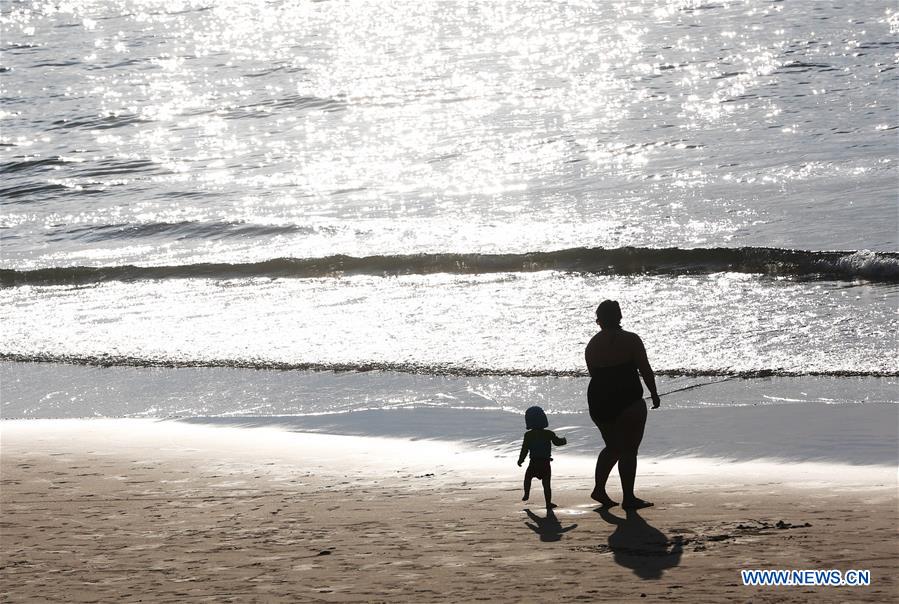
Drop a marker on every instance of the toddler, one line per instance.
(538, 441)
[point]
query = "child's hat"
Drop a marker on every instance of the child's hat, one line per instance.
(534, 417)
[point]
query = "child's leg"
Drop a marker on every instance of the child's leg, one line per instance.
(548, 493)
(528, 477)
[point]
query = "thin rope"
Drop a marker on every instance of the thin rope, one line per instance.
(700, 385)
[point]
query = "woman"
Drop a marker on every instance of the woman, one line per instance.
(614, 358)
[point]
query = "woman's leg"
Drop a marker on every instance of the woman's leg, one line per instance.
(629, 431)
(605, 461)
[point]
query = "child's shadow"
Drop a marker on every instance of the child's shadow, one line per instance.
(549, 528)
(640, 546)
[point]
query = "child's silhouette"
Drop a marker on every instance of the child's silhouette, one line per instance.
(538, 441)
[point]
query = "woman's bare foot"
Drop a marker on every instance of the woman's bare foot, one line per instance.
(603, 498)
(636, 504)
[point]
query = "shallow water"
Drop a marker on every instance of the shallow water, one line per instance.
(845, 419)
(516, 323)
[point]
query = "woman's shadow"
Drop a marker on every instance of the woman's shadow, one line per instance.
(549, 528)
(641, 547)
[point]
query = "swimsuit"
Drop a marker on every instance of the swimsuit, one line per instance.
(612, 389)
(540, 468)
(538, 442)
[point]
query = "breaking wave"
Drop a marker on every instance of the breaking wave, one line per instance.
(104, 360)
(772, 262)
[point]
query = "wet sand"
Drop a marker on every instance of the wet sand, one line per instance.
(138, 510)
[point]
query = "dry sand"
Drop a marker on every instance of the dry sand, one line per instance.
(136, 510)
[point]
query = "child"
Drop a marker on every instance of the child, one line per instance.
(539, 441)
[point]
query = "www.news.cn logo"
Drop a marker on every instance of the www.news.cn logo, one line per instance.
(806, 577)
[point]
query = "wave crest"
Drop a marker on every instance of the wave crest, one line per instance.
(105, 360)
(773, 262)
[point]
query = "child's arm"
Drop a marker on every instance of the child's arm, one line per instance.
(557, 440)
(524, 450)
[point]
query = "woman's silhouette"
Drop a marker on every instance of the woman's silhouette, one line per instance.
(614, 358)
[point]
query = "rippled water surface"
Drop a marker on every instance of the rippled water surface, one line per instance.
(172, 132)
(150, 133)
(513, 323)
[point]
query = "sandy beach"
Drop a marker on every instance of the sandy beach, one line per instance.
(141, 510)
(280, 281)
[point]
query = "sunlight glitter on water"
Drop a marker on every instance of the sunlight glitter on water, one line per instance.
(464, 114)
(510, 322)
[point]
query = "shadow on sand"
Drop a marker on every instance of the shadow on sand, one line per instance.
(641, 547)
(549, 528)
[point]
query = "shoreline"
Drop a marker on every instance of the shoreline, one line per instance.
(167, 511)
(287, 445)
(829, 420)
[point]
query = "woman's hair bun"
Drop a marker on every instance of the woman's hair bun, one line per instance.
(608, 314)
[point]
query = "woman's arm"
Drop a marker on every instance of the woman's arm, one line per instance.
(646, 371)
(587, 357)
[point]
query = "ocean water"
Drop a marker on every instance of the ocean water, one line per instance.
(447, 188)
